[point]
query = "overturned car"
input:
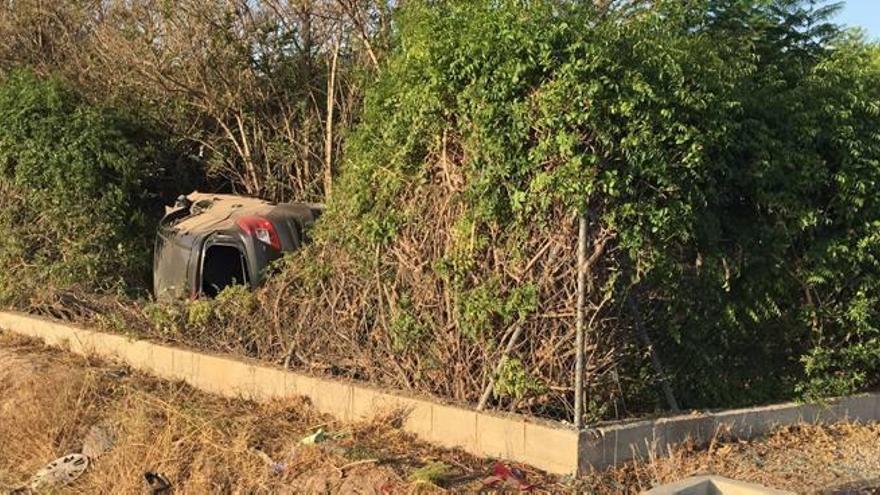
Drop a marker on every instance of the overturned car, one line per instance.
(207, 242)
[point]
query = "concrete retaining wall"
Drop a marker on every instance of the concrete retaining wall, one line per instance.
(608, 445)
(553, 447)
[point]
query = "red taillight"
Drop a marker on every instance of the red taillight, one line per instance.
(262, 229)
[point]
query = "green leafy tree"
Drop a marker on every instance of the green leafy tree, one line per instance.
(841, 262)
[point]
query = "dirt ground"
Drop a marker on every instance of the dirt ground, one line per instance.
(50, 400)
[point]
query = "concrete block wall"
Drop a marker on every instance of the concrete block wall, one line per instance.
(551, 446)
(612, 444)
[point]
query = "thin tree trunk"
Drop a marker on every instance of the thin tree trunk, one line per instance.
(362, 30)
(487, 392)
(328, 134)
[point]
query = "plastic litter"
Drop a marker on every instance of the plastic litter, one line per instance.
(504, 476)
(157, 483)
(59, 472)
(317, 437)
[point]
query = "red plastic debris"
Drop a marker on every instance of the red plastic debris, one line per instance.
(504, 476)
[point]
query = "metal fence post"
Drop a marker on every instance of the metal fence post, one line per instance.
(581, 322)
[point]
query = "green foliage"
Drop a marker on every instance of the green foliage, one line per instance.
(514, 381)
(227, 320)
(840, 370)
(434, 473)
(307, 264)
(730, 146)
(484, 307)
(200, 313)
(234, 304)
(166, 319)
(842, 262)
(76, 183)
(406, 329)
(729, 149)
(235, 301)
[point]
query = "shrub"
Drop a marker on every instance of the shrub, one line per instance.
(406, 330)
(841, 265)
(514, 381)
(235, 301)
(166, 319)
(200, 313)
(78, 188)
(723, 152)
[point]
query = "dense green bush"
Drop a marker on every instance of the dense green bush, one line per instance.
(78, 190)
(841, 262)
(726, 153)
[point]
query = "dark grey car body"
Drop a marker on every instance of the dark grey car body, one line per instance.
(209, 241)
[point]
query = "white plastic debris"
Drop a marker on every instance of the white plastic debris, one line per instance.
(316, 437)
(59, 472)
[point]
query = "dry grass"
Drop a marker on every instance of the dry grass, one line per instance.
(206, 444)
(202, 443)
